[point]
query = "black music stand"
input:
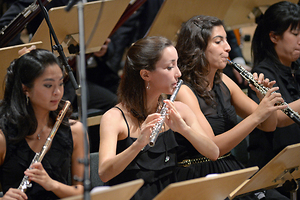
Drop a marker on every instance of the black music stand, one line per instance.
(209, 188)
(65, 24)
(122, 191)
(7, 55)
(282, 169)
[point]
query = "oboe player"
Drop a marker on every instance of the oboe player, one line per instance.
(124, 154)
(32, 100)
(276, 53)
(216, 99)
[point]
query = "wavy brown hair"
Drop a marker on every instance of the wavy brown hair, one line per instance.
(191, 45)
(143, 54)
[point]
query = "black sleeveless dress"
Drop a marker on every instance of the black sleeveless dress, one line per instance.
(57, 163)
(155, 165)
(222, 117)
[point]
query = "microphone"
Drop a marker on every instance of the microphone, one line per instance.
(70, 5)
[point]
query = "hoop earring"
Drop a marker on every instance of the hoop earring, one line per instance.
(27, 100)
(148, 86)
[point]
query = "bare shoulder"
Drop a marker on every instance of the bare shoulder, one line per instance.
(181, 107)
(113, 121)
(113, 114)
(2, 147)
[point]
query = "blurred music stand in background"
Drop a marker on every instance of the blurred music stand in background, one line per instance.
(235, 13)
(65, 24)
(122, 191)
(282, 169)
(174, 12)
(7, 55)
(208, 188)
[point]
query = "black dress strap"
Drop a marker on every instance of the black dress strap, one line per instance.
(124, 119)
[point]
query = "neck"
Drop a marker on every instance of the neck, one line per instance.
(152, 102)
(210, 78)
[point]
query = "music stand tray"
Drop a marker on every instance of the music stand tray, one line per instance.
(208, 188)
(122, 191)
(7, 55)
(283, 167)
(65, 24)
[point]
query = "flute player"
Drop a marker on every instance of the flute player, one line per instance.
(32, 99)
(150, 70)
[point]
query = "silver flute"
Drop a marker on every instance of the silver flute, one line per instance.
(263, 90)
(40, 155)
(163, 113)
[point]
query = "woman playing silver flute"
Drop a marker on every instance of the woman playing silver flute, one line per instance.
(124, 154)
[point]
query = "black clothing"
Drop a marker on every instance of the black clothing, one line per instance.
(155, 165)
(56, 162)
(263, 146)
(222, 117)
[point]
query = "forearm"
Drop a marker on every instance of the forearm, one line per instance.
(202, 143)
(231, 138)
(61, 190)
(285, 120)
(269, 124)
(111, 167)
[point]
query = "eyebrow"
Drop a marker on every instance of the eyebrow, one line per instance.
(50, 79)
(218, 36)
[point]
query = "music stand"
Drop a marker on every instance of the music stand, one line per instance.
(65, 24)
(282, 168)
(122, 191)
(208, 188)
(174, 12)
(242, 13)
(7, 55)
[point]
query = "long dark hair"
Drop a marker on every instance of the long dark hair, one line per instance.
(17, 118)
(143, 54)
(277, 19)
(191, 45)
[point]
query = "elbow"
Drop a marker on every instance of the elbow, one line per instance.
(214, 153)
(102, 176)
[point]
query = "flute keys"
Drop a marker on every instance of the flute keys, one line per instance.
(167, 159)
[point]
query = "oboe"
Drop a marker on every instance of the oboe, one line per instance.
(163, 113)
(263, 90)
(40, 155)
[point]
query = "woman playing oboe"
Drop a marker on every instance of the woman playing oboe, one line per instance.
(32, 100)
(276, 52)
(216, 100)
(124, 154)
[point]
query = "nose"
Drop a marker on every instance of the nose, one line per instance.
(227, 46)
(178, 72)
(58, 90)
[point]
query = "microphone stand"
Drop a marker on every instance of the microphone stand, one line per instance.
(82, 77)
(86, 180)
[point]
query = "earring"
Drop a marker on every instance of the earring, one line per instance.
(27, 100)
(148, 86)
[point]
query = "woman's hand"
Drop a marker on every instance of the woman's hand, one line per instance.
(147, 128)
(13, 193)
(173, 118)
(261, 80)
(38, 174)
(269, 104)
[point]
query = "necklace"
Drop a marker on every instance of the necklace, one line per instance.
(39, 135)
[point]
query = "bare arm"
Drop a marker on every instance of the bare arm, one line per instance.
(229, 139)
